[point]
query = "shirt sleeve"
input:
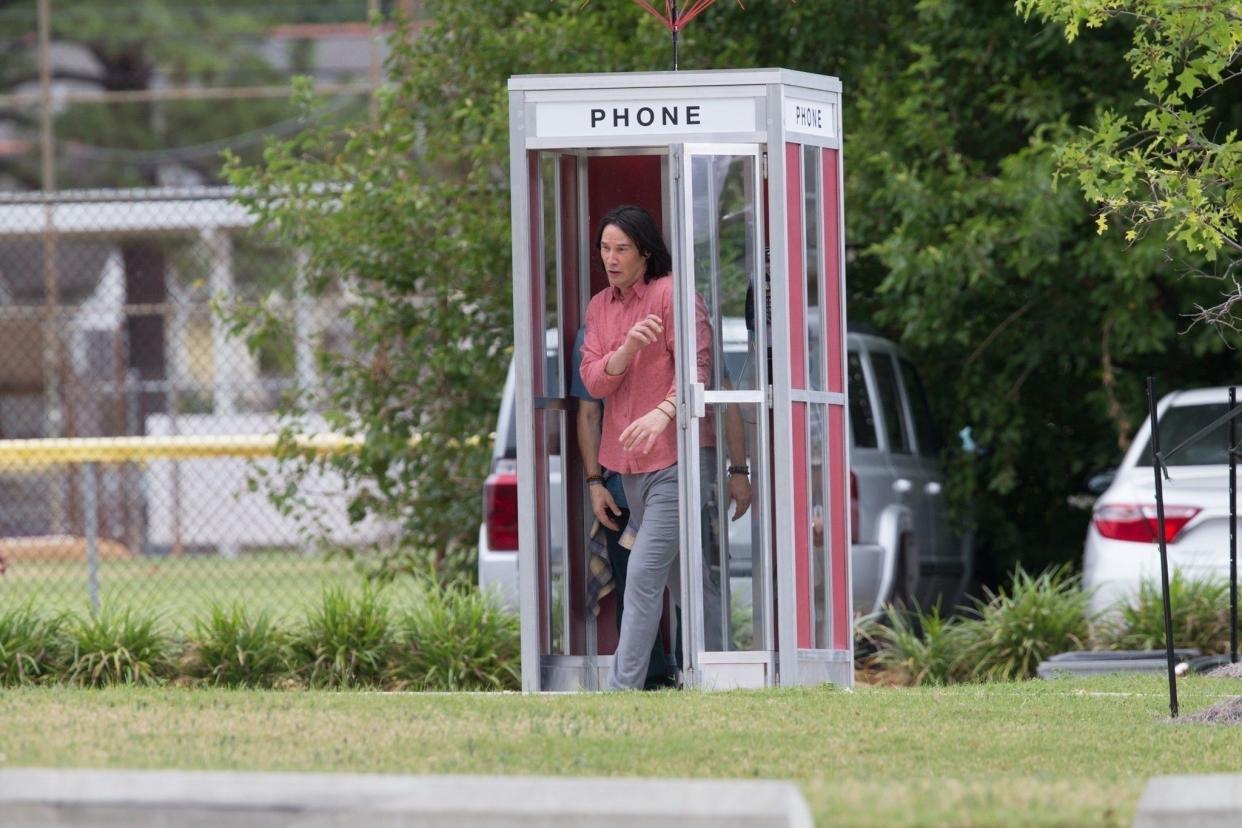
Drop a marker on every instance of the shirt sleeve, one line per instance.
(599, 383)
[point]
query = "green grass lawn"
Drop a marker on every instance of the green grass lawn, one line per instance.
(1067, 752)
(181, 588)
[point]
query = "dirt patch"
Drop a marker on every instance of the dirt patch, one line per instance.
(1228, 711)
(57, 548)
(1226, 671)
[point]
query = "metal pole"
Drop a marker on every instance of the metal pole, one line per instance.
(673, 20)
(373, 10)
(1233, 532)
(53, 416)
(90, 517)
(1157, 467)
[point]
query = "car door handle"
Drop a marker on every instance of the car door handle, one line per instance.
(901, 485)
(932, 488)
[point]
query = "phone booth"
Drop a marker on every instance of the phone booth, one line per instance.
(742, 170)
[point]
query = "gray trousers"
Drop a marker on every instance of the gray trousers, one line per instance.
(653, 507)
(653, 504)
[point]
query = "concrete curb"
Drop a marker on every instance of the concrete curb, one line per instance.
(35, 797)
(1200, 801)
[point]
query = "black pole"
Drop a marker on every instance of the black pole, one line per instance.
(1157, 467)
(674, 22)
(1233, 533)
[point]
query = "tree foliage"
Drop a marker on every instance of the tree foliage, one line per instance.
(408, 216)
(1174, 162)
(1032, 329)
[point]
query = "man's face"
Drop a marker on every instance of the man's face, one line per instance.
(622, 261)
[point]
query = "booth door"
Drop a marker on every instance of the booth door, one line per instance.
(719, 264)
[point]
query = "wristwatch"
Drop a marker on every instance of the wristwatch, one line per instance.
(739, 470)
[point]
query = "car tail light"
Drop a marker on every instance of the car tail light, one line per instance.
(855, 532)
(1134, 522)
(500, 505)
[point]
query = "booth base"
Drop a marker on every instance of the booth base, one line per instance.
(819, 666)
(717, 671)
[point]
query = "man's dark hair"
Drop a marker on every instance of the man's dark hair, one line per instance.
(638, 224)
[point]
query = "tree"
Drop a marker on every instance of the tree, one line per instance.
(409, 215)
(1032, 330)
(1172, 161)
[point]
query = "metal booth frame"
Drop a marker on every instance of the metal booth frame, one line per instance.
(776, 135)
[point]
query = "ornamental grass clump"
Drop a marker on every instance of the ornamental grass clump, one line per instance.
(348, 641)
(1199, 608)
(33, 647)
(1008, 633)
(915, 647)
(119, 647)
(455, 637)
(232, 648)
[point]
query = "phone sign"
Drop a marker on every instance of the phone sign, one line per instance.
(813, 117)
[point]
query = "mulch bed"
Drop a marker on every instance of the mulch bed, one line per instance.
(1226, 711)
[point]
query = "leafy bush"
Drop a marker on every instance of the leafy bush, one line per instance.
(119, 647)
(33, 647)
(347, 642)
(915, 647)
(231, 648)
(456, 638)
(1199, 609)
(1013, 631)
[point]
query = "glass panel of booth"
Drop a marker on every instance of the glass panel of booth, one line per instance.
(555, 256)
(722, 198)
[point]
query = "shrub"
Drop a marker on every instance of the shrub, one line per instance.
(915, 647)
(1199, 609)
(1012, 631)
(233, 649)
(33, 647)
(119, 647)
(457, 638)
(347, 642)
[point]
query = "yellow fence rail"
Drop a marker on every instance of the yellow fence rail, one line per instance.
(71, 450)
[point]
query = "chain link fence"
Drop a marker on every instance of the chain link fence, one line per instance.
(133, 425)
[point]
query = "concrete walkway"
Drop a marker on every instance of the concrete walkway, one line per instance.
(34, 798)
(1203, 801)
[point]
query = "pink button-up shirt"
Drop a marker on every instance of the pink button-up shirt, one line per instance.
(649, 378)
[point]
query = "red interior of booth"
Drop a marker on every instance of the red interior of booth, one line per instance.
(613, 180)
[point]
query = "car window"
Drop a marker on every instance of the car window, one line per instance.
(1183, 421)
(924, 426)
(862, 419)
(890, 403)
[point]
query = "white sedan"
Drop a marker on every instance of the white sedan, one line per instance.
(1121, 549)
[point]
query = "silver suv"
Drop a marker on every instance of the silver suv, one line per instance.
(902, 548)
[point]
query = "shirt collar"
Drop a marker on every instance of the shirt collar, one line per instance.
(639, 289)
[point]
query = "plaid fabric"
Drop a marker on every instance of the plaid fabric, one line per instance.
(599, 568)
